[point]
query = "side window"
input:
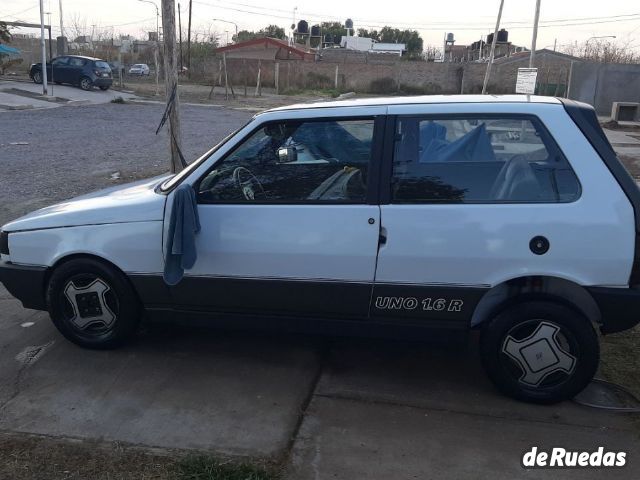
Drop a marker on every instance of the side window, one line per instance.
(479, 160)
(60, 61)
(295, 161)
(77, 62)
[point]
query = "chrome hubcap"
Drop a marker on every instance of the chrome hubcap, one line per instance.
(540, 354)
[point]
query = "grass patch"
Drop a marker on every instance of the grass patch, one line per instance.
(203, 467)
(327, 92)
(30, 457)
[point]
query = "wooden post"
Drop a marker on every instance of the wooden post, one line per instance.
(180, 35)
(226, 78)
(189, 43)
(487, 73)
(157, 68)
(171, 81)
(335, 81)
(276, 77)
(258, 86)
(244, 74)
(120, 66)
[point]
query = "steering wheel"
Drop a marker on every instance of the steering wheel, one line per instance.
(248, 184)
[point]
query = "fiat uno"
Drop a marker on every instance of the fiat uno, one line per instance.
(511, 215)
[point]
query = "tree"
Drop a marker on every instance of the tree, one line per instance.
(603, 51)
(5, 35)
(271, 31)
(374, 34)
(411, 38)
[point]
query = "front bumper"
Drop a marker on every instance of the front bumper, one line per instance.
(26, 283)
(619, 308)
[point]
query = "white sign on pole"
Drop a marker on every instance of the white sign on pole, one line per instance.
(526, 81)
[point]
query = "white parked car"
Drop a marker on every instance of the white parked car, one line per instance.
(139, 69)
(511, 215)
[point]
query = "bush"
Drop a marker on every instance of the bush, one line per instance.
(318, 80)
(382, 85)
(411, 90)
(428, 88)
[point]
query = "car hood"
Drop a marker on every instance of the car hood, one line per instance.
(133, 202)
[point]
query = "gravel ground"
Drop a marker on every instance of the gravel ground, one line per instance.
(74, 150)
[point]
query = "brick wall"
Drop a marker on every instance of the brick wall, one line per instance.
(362, 72)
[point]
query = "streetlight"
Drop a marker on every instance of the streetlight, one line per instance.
(157, 18)
(586, 44)
(227, 21)
(157, 45)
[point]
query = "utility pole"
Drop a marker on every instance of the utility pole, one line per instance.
(493, 50)
(43, 47)
(180, 34)
(189, 43)
(535, 35)
(171, 82)
(61, 22)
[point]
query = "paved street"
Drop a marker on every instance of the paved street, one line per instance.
(330, 407)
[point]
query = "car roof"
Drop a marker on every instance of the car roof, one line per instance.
(421, 99)
(84, 57)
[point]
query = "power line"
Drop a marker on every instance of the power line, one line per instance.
(21, 11)
(451, 24)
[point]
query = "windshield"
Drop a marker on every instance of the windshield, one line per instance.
(176, 179)
(100, 64)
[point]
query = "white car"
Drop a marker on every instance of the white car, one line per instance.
(139, 69)
(511, 215)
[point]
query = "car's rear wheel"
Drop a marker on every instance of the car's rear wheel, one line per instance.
(93, 304)
(104, 87)
(86, 83)
(540, 351)
(37, 77)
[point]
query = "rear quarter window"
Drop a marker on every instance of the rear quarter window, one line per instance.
(476, 159)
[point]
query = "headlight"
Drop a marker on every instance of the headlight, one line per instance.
(4, 243)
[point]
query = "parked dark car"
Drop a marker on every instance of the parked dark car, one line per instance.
(85, 72)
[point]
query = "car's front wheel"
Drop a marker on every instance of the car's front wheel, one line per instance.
(86, 83)
(37, 77)
(93, 304)
(540, 351)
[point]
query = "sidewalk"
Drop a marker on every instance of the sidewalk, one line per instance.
(16, 95)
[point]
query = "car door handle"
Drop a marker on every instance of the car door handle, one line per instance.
(382, 236)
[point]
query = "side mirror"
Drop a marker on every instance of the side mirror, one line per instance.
(287, 155)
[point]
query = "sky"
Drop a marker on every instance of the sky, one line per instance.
(562, 22)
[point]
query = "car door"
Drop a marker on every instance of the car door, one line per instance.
(289, 221)
(469, 188)
(76, 67)
(60, 67)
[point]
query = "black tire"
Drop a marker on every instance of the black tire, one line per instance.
(549, 332)
(104, 87)
(37, 77)
(86, 83)
(57, 82)
(121, 306)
